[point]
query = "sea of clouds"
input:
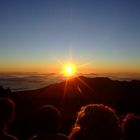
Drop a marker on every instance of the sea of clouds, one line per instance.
(29, 81)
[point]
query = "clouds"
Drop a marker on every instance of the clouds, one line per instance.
(27, 81)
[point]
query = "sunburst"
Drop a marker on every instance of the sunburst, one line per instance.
(69, 70)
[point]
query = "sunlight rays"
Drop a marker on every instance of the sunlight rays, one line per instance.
(84, 83)
(70, 70)
(85, 64)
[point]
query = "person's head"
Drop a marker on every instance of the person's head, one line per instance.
(47, 119)
(131, 127)
(7, 111)
(98, 122)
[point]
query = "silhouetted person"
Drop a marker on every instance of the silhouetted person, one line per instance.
(7, 113)
(131, 127)
(96, 122)
(4, 92)
(47, 124)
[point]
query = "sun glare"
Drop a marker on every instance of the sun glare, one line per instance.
(69, 70)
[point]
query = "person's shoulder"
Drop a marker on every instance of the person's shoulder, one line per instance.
(10, 137)
(75, 133)
(33, 137)
(62, 136)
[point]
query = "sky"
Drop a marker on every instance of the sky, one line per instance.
(98, 36)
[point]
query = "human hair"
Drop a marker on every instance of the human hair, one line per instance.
(47, 119)
(7, 111)
(131, 127)
(98, 122)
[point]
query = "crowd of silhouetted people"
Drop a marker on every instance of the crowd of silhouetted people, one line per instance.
(93, 122)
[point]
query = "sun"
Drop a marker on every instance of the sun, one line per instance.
(69, 70)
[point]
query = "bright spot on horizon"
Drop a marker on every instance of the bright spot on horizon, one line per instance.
(69, 70)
